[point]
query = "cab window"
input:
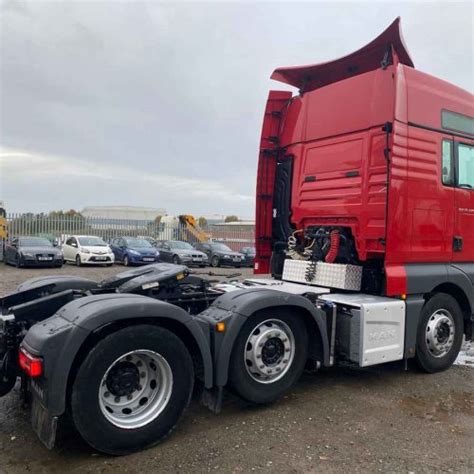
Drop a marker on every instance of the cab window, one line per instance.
(465, 166)
(447, 163)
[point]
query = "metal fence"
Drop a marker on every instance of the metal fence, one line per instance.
(61, 226)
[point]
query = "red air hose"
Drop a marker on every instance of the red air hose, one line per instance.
(334, 249)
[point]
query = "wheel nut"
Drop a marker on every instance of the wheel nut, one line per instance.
(139, 387)
(142, 375)
(139, 363)
(106, 394)
(129, 397)
(117, 399)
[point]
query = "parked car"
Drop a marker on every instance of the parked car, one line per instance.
(219, 254)
(249, 256)
(33, 251)
(87, 249)
(134, 251)
(176, 251)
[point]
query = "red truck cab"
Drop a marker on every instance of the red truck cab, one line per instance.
(376, 147)
(380, 154)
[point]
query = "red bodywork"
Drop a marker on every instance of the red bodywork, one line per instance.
(348, 171)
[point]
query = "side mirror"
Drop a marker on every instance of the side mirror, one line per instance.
(55, 242)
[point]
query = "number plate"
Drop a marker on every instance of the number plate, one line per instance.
(148, 259)
(197, 259)
(45, 259)
(101, 258)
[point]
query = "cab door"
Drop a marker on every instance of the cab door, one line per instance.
(463, 240)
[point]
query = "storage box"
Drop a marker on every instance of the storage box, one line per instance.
(330, 275)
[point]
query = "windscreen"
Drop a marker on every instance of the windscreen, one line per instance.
(181, 245)
(221, 247)
(92, 242)
(35, 243)
(138, 243)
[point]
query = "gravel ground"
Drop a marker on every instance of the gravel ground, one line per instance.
(341, 420)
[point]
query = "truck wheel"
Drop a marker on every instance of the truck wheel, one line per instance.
(440, 333)
(269, 355)
(132, 389)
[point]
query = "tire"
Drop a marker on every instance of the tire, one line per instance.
(126, 261)
(6, 385)
(175, 260)
(256, 388)
(440, 333)
(78, 260)
(18, 263)
(215, 261)
(7, 382)
(89, 398)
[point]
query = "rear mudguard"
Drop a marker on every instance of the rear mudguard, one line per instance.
(59, 339)
(235, 307)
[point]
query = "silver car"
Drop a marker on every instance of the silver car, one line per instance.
(178, 252)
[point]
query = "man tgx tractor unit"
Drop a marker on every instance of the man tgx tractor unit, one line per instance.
(365, 219)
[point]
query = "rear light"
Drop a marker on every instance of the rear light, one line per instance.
(31, 365)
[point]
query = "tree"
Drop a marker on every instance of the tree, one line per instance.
(231, 219)
(202, 222)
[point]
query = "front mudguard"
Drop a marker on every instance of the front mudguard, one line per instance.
(234, 308)
(56, 284)
(59, 339)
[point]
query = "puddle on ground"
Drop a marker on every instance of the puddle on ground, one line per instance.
(436, 409)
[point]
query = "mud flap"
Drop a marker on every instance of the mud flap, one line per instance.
(212, 399)
(44, 425)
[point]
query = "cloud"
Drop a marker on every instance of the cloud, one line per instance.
(174, 92)
(74, 178)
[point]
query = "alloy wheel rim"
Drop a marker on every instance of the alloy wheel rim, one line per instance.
(440, 332)
(135, 389)
(269, 351)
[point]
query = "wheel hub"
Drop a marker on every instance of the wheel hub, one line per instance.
(123, 379)
(440, 333)
(272, 351)
(269, 351)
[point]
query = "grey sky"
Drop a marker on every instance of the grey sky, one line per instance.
(160, 104)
